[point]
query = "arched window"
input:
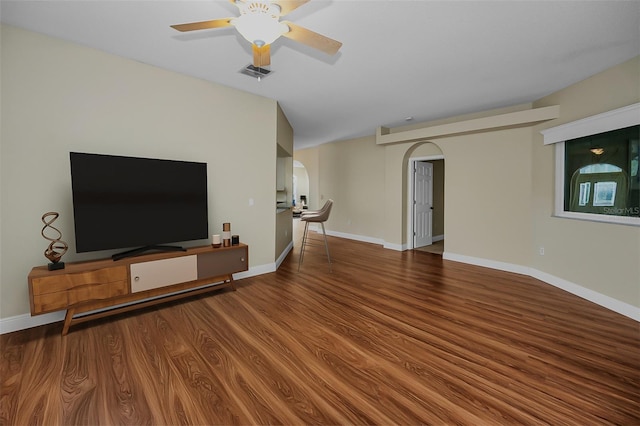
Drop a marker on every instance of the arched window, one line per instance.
(596, 187)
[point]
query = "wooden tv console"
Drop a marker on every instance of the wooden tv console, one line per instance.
(86, 289)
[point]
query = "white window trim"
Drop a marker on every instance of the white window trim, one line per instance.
(610, 120)
(605, 122)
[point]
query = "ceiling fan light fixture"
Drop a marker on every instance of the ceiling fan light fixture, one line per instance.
(259, 22)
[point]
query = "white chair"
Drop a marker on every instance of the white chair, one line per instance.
(316, 216)
(315, 212)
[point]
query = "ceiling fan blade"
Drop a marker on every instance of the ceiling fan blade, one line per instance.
(261, 55)
(312, 39)
(204, 25)
(287, 6)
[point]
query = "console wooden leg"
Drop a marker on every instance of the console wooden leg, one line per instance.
(67, 320)
(87, 309)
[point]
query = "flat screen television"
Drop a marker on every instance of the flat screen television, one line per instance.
(141, 203)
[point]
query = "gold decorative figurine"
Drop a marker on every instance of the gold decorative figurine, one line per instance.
(57, 248)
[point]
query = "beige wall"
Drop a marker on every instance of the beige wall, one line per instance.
(284, 219)
(284, 231)
(59, 97)
(499, 194)
(602, 257)
(374, 204)
(487, 200)
(395, 199)
(350, 174)
(285, 133)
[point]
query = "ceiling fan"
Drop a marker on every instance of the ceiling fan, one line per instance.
(259, 23)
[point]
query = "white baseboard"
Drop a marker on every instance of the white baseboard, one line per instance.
(283, 255)
(24, 321)
(363, 238)
(396, 247)
(437, 238)
(355, 237)
(605, 301)
(487, 263)
(255, 270)
(610, 303)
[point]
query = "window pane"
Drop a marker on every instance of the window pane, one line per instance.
(585, 191)
(604, 193)
(607, 163)
(599, 168)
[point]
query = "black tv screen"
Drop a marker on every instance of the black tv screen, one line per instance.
(127, 202)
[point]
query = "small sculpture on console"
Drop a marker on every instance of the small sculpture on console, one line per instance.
(226, 234)
(57, 248)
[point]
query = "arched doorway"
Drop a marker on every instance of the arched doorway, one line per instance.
(425, 197)
(300, 184)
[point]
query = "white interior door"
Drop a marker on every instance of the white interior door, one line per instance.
(422, 204)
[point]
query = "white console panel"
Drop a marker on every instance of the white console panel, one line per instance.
(164, 272)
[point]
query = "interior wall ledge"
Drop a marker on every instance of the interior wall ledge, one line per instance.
(531, 117)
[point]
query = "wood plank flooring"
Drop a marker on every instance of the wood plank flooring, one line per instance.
(387, 338)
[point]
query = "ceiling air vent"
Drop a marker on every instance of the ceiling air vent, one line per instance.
(256, 72)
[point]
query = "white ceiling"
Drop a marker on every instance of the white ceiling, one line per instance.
(424, 59)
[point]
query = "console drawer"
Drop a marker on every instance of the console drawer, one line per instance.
(162, 273)
(59, 291)
(222, 262)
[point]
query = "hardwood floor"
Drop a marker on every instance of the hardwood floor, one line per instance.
(387, 338)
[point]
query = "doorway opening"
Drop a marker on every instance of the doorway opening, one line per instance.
(300, 197)
(425, 209)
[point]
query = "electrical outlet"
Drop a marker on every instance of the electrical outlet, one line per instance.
(541, 251)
